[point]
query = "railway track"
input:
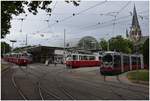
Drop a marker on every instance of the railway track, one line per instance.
(40, 88)
(63, 89)
(137, 92)
(58, 82)
(122, 86)
(21, 91)
(18, 89)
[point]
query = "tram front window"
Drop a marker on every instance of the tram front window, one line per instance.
(75, 57)
(68, 57)
(107, 60)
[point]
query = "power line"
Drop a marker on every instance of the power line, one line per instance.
(66, 18)
(76, 14)
(119, 11)
(105, 22)
(107, 25)
(118, 14)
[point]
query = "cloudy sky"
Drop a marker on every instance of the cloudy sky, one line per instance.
(92, 18)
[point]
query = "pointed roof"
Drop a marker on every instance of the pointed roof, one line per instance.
(135, 21)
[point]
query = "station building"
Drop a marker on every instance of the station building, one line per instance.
(43, 53)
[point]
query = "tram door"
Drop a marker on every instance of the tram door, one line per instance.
(117, 64)
(126, 63)
(139, 62)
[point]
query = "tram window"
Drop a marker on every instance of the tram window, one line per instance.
(139, 60)
(75, 57)
(85, 58)
(117, 60)
(133, 60)
(100, 58)
(68, 55)
(107, 58)
(82, 57)
(24, 54)
(91, 57)
(126, 60)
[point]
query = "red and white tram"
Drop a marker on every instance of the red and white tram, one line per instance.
(115, 63)
(18, 58)
(82, 60)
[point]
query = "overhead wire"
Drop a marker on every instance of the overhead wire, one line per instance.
(103, 23)
(48, 19)
(69, 17)
(108, 24)
(97, 23)
(76, 14)
(115, 15)
(119, 11)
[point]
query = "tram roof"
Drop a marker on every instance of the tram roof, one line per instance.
(120, 53)
(81, 54)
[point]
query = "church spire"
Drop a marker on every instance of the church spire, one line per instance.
(135, 31)
(135, 22)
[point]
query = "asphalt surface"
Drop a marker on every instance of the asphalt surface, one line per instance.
(40, 82)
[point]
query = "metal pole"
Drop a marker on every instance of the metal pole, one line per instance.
(64, 45)
(95, 45)
(26, 39)
(12, 46)
(4, 49)
(64, 39)
(114, 25)
(107, 43)
(108, 46)
(137, 71)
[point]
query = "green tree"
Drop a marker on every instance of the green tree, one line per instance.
(9, 8)
(120, 44)
(103, 44)
(146, 52)
(5, 48)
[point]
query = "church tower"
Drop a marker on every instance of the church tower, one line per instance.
(135, 30)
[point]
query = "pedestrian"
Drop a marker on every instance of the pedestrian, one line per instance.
(47, 62)
(55, 62)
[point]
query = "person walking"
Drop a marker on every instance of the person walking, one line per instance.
(55, 62)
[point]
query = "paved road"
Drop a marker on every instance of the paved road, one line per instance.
(37, 82)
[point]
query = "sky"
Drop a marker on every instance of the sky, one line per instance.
(92, 18)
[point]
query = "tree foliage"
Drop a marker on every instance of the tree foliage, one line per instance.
(103, 44)
(146, 52)
(120, 44)
(5, 48)
(9, 8)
